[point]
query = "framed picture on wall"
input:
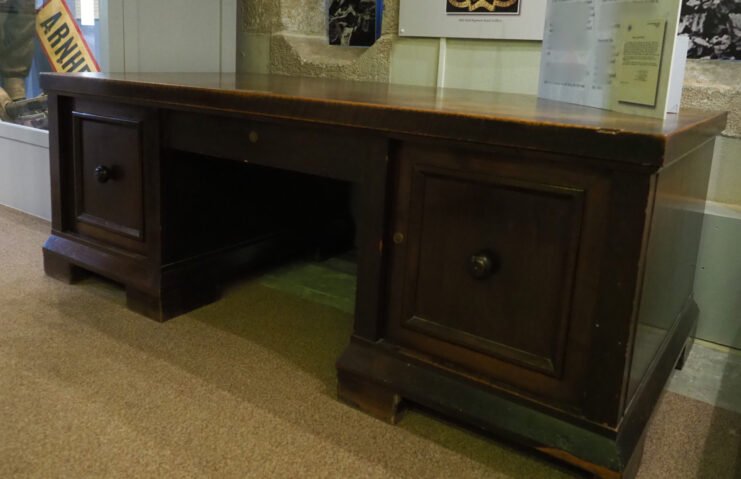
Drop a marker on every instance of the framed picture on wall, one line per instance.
(714, 28)
(355, 23)
(491, 19)
(483, 7)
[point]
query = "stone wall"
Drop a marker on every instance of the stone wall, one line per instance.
(715, 85)
(290, 37)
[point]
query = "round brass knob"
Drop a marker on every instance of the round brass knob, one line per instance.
(398, 238)
(102, 174)
(483, 264)
(253, 136)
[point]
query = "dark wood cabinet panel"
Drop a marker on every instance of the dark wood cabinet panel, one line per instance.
(525, 237)
(535, 224)
(108, 157)
(108, 173)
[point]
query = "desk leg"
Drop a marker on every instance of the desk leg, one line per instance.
(374, 399)
(59, 268)
(171, 303)
(370, 237)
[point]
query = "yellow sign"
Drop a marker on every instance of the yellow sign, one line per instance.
(62, 40)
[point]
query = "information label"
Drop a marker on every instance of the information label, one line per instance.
(638, 72)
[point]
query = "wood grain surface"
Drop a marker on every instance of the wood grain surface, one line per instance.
(462, 115)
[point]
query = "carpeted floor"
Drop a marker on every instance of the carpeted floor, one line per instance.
(242, 388)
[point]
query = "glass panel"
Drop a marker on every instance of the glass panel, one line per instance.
(22, 55)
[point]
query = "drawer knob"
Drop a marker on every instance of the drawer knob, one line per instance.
(483, 264)
(102, 174)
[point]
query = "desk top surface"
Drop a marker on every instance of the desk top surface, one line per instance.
(461, 115)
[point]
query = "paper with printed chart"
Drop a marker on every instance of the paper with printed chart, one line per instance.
(611, 54)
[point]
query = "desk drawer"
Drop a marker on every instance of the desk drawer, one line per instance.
(491, 268)
(109, 158)
(312, 149)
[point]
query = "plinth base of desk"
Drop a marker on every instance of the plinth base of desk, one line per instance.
(370, 375)
(377, 376)
(163, 292)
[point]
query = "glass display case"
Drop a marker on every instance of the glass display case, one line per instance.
(24, 54)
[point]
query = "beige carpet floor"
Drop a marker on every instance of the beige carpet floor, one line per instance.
(242, 388)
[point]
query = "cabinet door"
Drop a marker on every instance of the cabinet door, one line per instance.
(495, 264)
(111, 147)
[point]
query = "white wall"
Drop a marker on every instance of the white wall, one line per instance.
(24, 170)
(718, 277)
(172, 35)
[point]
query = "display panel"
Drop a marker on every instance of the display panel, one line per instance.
(609, 54)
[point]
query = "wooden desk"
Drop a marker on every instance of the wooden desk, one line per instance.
(523, 265)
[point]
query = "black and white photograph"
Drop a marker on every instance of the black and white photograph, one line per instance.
(352, 22)
(485, 7)
(714, 28)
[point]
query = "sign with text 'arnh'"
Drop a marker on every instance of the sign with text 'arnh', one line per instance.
(62, 40)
